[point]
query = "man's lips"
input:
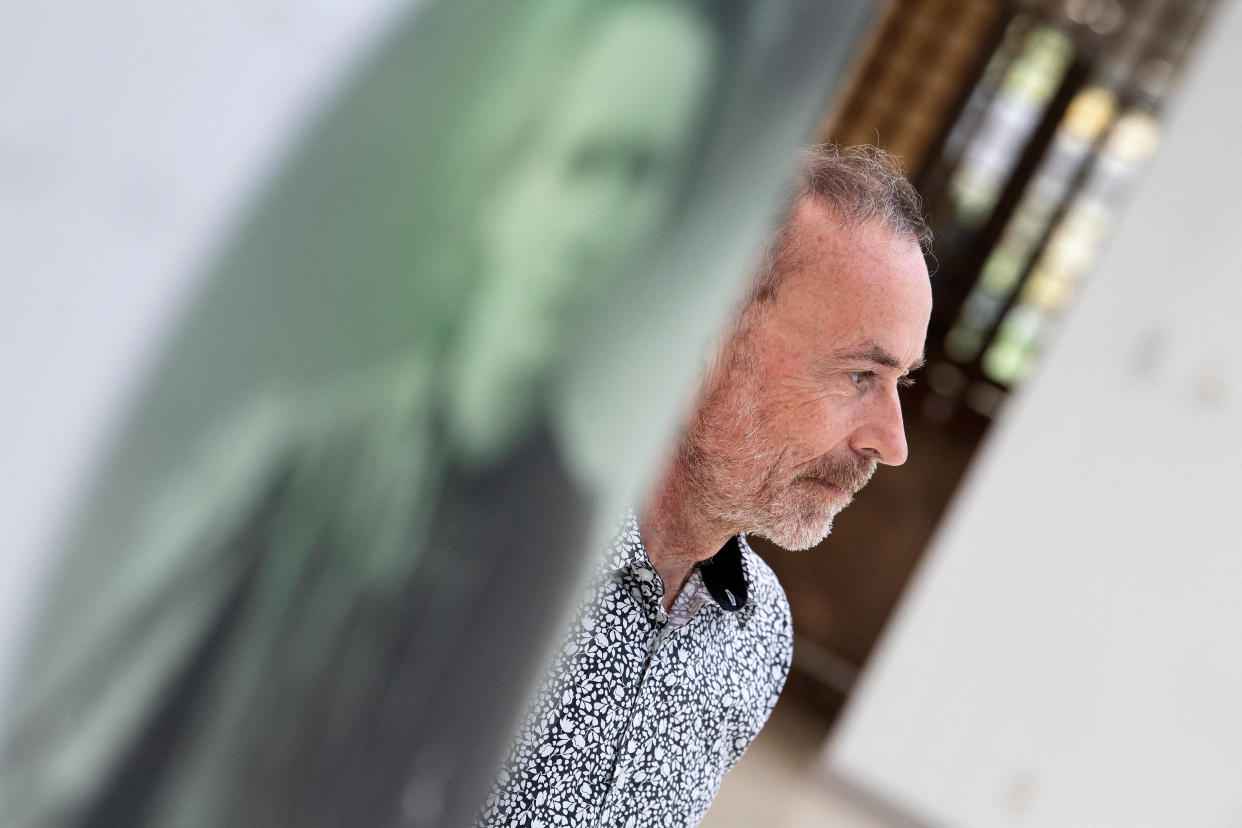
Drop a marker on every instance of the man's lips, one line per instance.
(834, 490)
(840, 479)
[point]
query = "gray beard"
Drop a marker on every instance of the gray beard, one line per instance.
(756, 489)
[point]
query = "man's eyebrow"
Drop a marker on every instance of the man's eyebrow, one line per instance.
(875, 354)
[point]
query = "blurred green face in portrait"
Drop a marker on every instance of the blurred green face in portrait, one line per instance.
(595, 176)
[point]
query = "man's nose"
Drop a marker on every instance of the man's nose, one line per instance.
(882, 436)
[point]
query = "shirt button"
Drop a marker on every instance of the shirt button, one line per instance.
(661, 615)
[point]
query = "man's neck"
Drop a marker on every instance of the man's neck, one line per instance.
(676, 532)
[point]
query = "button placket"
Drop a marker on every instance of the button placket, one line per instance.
(622, 757)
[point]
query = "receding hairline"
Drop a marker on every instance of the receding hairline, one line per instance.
(812, 212)
(855, 187)
(860, 185)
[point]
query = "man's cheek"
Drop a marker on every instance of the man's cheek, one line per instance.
(824, 412)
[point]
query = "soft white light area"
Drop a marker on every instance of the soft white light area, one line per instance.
(132, 135)
(1069, 653)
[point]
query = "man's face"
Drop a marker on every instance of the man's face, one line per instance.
(804, 404)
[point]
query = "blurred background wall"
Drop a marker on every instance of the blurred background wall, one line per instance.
(1068, 653)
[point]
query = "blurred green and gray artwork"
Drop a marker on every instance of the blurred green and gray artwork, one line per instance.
(314, 580)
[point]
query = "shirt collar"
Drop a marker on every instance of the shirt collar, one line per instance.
(727, 575)
(627, 548)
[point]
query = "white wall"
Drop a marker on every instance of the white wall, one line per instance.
(1071, 652)
(131, 135)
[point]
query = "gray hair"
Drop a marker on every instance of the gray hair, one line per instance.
(859, 185)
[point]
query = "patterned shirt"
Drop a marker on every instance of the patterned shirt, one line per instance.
(644, 710)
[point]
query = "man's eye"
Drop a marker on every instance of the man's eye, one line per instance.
(860, 377)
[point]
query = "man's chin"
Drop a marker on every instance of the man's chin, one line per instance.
(798, 534)
(805, 517)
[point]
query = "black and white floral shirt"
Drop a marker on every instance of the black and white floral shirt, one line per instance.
(643, 710)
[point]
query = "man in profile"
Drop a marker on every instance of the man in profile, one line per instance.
(680, 651)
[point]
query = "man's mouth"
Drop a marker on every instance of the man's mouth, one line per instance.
(835, 490)
(842, 479)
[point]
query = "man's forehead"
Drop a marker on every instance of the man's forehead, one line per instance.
(822, 242)
(852, 294)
